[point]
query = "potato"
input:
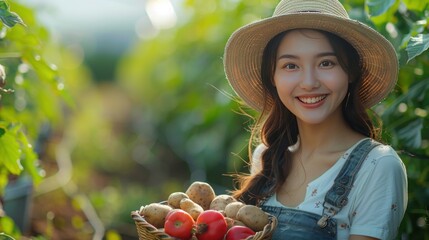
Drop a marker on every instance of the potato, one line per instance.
(229, 222)
(232, 208)
(253, 217)
(155, 213)
(174, 199)
(220, 202)
(232, 222)
(201, 193)
(191, 207)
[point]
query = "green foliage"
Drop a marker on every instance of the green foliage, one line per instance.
(5, 237)
(417, 45)
(378, 7)
(32, 95)
(173, 76)
(7, 17)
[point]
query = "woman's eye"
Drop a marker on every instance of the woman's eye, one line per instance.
(326, 63)
(290, 66)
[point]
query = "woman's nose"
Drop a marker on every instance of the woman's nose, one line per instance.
(309, 80)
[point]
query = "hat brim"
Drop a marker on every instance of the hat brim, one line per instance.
(244, 50)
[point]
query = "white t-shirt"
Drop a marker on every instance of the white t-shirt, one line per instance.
(377, 201)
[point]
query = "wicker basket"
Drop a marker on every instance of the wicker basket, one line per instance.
(148, 232)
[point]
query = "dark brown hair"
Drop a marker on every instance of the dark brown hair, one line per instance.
(277, 127)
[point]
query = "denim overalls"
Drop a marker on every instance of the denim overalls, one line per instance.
(297, 224)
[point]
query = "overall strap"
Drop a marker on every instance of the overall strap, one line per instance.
(336, 197)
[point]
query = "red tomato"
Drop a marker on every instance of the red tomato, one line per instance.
(239, 233)
(179, 224)
(211, 225)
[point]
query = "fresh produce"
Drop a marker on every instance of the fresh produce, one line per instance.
(233, 222)
(199, 214)
(191, 207)
(232, 208)
(175, 198)
(211, 225)
(219, 202)
(253, 217)
(239, 233)
(155, 213)
(201, 193)
(179, 224)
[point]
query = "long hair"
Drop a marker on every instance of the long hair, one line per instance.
(277, 127)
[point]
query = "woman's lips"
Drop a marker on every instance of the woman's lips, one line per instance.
(312, 99)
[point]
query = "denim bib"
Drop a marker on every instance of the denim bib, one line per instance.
(297, 224)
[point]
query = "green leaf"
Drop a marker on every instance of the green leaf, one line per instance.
(417, 45)
(10, 18)
(414, 92)
(3, 5)
(4, 236)
(381, 20)
(419, 5)
(378, 7)
(29, 157)
(7, 225)
(10, 153)
(411, 134)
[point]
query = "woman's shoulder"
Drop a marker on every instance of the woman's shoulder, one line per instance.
(384, 158)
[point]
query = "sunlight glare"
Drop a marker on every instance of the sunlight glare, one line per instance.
(161, 14)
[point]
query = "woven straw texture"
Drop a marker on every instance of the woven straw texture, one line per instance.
(148, 232)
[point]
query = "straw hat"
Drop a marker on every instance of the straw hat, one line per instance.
(244, 49)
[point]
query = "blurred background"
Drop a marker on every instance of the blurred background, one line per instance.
(109, 105)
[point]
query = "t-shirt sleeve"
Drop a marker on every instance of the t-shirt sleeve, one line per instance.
(256, 165)
(381, 195)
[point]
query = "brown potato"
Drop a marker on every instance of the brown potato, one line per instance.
(155, 213)
(201, 193)
(253, 217)
(191, 207)
(175, 198)
(232, 222)
(220, 201)
(232, 208)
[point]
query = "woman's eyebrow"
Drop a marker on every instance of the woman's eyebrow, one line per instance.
(288, 56)
(322, 54)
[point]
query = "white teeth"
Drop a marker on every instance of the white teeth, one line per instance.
(311, 100)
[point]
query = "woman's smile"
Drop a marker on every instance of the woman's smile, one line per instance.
(311, 99)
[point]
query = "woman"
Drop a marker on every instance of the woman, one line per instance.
(313, 73)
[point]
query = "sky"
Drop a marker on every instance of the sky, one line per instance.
(100, 28)
(122, 21)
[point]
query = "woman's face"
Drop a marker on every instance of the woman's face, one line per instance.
(308, 77)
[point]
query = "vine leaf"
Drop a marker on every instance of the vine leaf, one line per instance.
(417, 45)
(7, 17)
(10, 152)
(378, 7)
(411, 133)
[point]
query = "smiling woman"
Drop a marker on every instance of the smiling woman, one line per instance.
(319, 166)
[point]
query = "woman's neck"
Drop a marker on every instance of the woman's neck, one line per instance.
(327, 137)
